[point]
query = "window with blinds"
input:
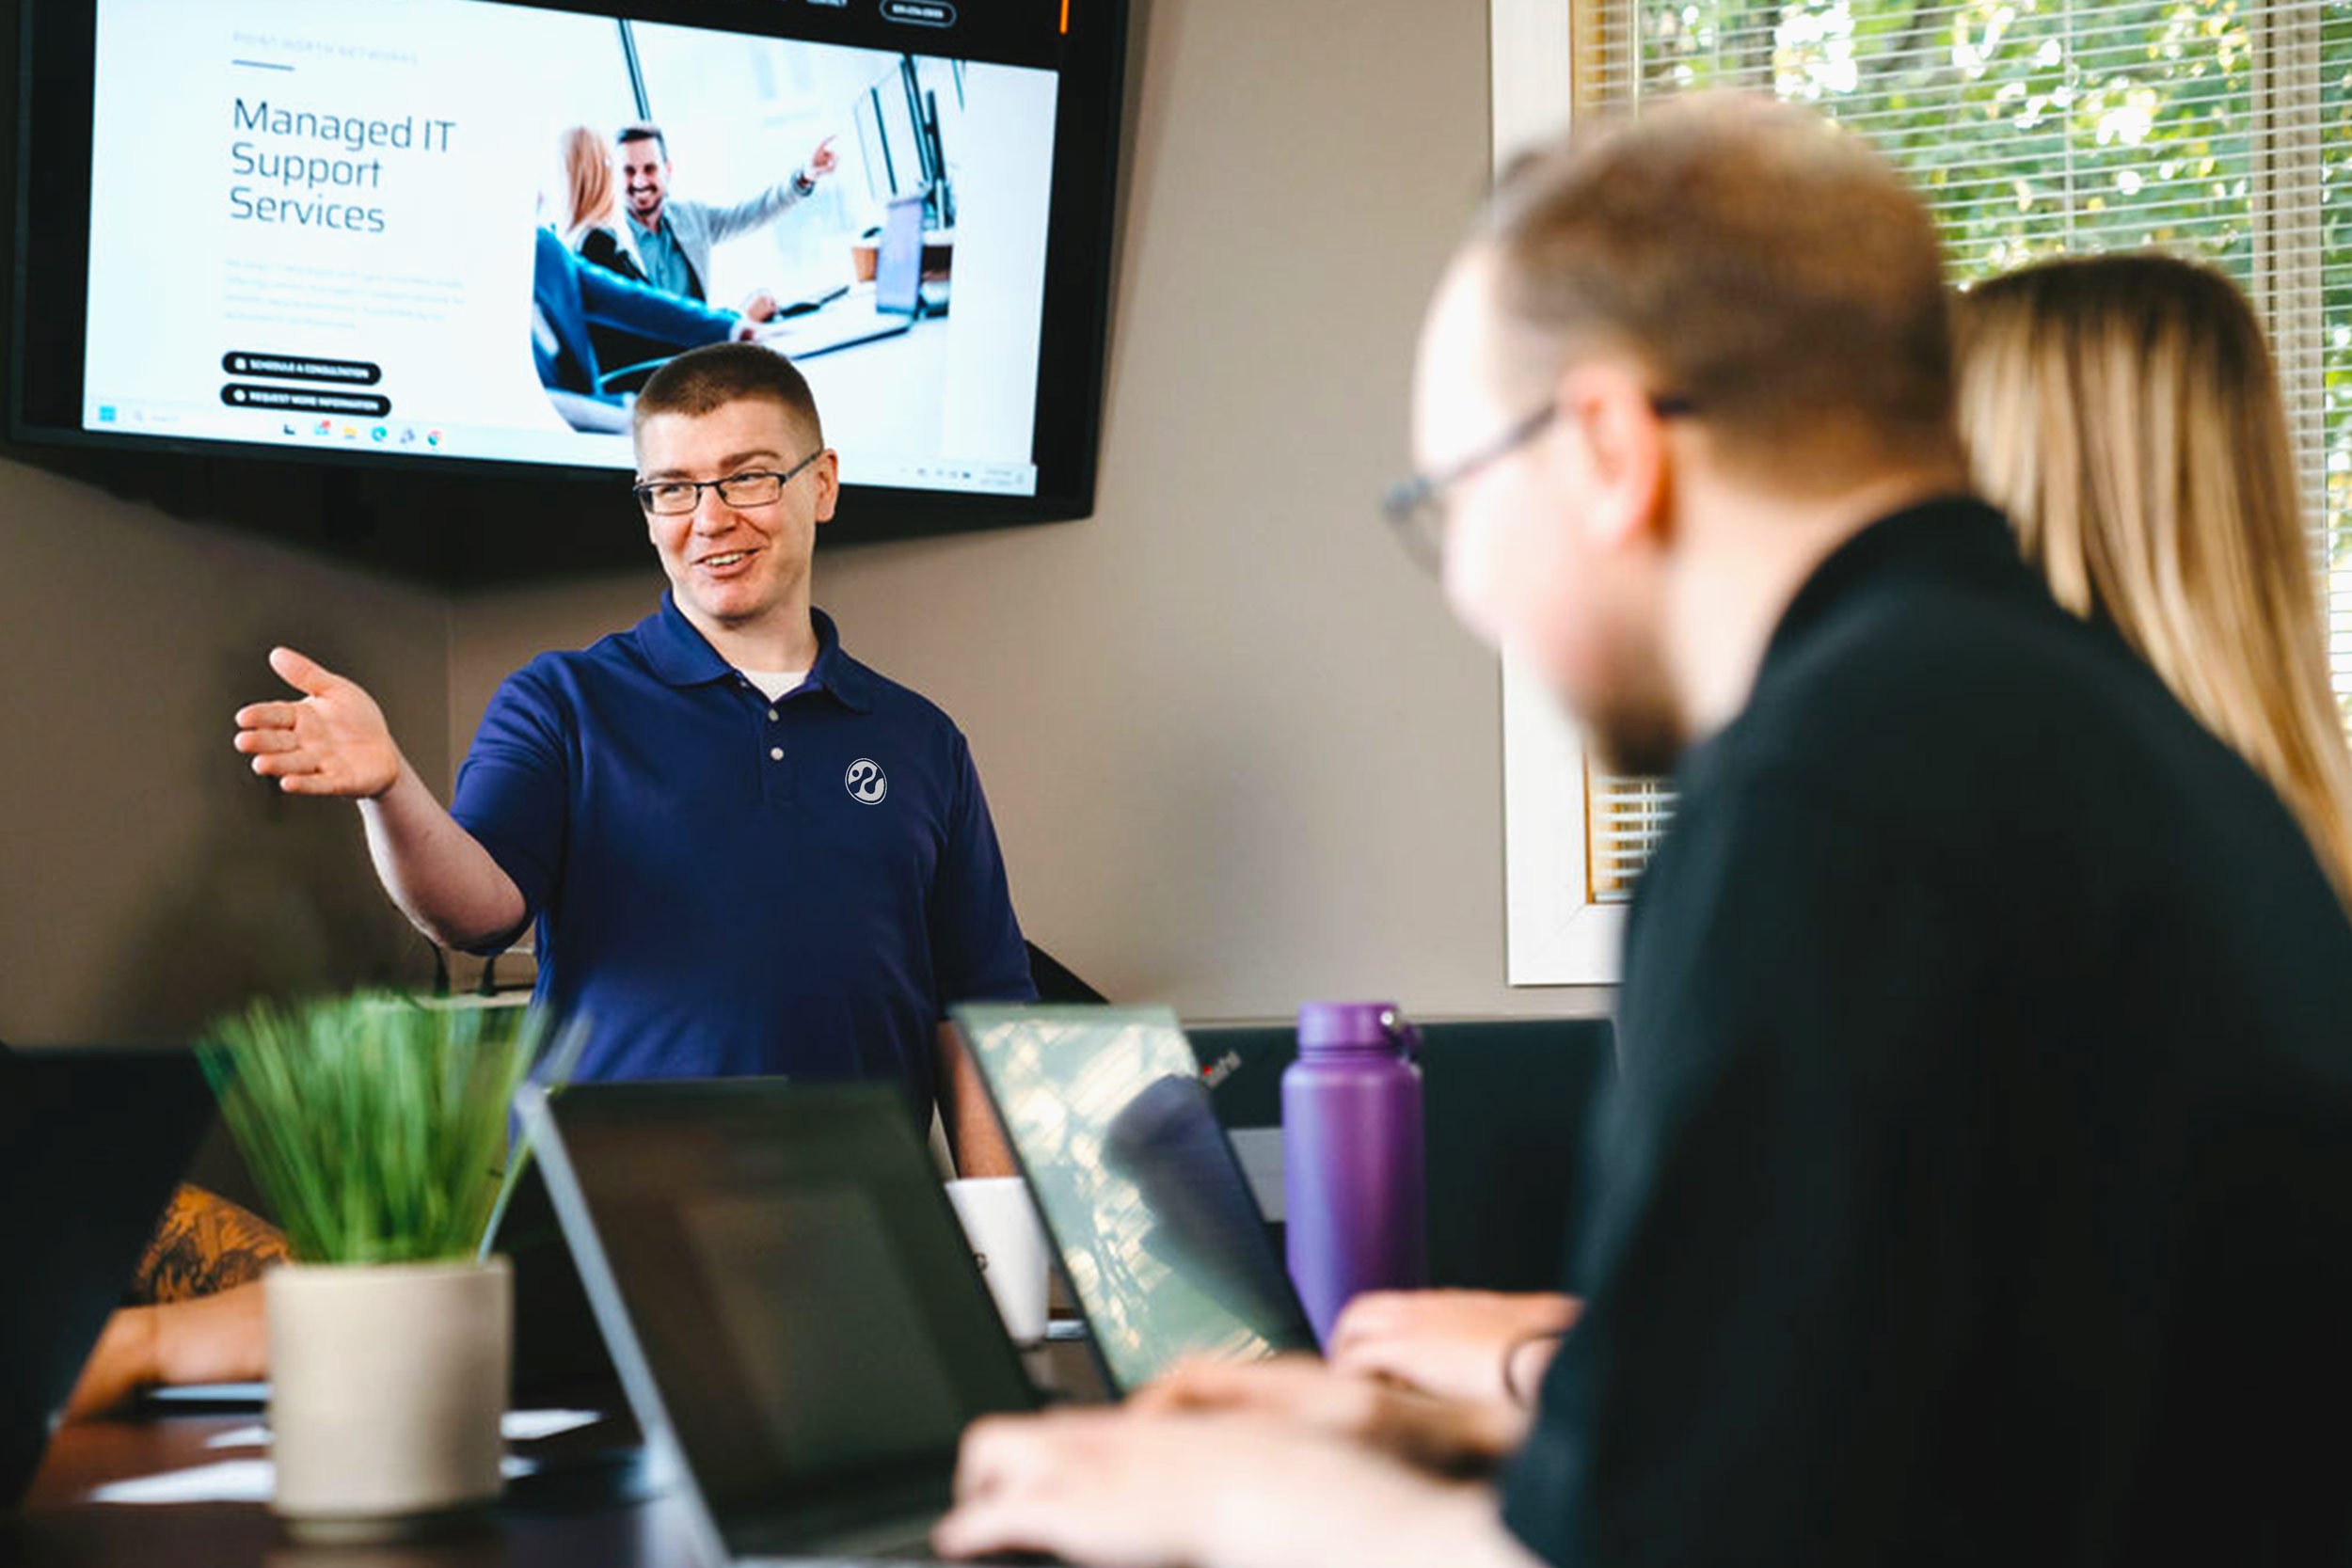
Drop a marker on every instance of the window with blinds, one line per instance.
(2220, 129)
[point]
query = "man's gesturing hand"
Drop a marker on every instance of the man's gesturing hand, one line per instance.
(334, 742)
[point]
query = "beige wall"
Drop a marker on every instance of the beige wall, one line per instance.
(151, 881)
(1238, 754)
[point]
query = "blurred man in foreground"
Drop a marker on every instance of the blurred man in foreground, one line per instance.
(1980, 1182)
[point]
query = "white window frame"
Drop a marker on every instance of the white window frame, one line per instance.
(1555, 936)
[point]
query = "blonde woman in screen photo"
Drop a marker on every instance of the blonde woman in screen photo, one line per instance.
(591, 215)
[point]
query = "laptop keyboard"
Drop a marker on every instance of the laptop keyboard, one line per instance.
(918, 1550)
(912, 1548)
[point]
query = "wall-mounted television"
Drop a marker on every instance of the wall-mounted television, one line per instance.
(431, 234)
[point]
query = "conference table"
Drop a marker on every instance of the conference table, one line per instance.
(589, 1501)
(580, 1507)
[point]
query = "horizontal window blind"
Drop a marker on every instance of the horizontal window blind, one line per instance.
(2220, 129)
(1623, 819)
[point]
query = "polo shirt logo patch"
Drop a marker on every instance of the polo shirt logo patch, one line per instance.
(866, 783)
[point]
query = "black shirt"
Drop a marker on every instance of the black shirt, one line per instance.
(1978, 1184)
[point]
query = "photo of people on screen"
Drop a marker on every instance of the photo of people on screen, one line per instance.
(385, 220)
(585, 319)
(667, 242)
(848, 243)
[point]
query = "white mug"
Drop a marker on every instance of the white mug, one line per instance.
(1000, 1222)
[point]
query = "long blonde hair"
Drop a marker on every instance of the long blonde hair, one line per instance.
(2122, 409)
(588, 173)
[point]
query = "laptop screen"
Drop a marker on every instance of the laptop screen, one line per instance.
(898, 260)
(798, 1289)
(92, 1142)
(1161, 1241)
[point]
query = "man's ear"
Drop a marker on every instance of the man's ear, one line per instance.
(1606, 407)
(826, 471)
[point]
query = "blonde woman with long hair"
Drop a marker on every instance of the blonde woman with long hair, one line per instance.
(2123, 411)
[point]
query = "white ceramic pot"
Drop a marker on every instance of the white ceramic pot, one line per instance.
(387, 1384)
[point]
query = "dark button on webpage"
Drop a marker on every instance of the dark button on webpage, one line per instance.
(239, 396)
(922, 13)
(296, 367)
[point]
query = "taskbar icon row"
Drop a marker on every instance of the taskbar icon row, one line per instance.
(306, 423)
(363, 433)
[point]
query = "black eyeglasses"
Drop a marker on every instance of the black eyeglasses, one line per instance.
(672, 497)
(1417, 508)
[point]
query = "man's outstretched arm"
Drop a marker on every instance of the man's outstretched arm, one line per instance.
(334, 742)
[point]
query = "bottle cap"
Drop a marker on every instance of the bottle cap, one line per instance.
(1353, 1026)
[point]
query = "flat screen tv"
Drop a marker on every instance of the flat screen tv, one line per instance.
(411, 234)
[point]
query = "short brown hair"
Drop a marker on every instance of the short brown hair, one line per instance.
(643, 131)
(703, 379)
(1770, 268)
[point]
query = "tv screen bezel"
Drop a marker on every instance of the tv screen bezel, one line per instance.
(48, 308)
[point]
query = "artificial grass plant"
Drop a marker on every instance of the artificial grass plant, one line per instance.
(377, 1124)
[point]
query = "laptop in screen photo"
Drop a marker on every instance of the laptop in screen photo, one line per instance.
(888, 309)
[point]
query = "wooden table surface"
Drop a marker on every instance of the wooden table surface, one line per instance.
(588, 1506)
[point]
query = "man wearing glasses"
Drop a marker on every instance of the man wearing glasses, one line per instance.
(745, 852)
(1977, 1185)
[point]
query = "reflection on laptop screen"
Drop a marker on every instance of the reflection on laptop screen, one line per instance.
(797, 1286)
(1149, 1209)
(821, 1264)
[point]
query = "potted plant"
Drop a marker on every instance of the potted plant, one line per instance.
(377, 1126)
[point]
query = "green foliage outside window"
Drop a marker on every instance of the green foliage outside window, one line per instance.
(2039, 127)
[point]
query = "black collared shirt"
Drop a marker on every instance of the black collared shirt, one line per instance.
(1979, 1187)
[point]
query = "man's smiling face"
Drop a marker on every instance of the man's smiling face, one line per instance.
(645, 179)
(737, 567)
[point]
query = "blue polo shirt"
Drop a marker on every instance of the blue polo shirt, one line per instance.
(724, 885)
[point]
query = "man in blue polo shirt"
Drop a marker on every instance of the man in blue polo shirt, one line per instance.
(745, 852)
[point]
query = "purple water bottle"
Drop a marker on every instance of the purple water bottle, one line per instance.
(1352, 1157)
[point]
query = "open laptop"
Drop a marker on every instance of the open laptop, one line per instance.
(863, 314)
(1159, 1238)
(92, 1143)
(793, 1311)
